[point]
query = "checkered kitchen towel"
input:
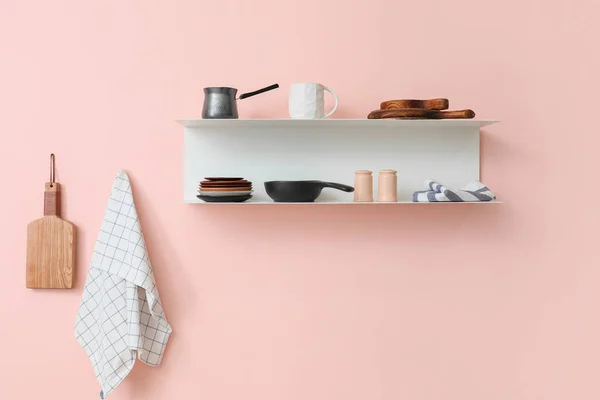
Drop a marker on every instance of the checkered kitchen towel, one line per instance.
(120, 312)
(474, 191)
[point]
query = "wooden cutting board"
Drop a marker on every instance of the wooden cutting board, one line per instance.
(50, 246)
(419, 113)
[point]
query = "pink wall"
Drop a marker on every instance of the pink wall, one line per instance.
(271, 303)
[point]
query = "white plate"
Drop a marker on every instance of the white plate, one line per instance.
(221, 194)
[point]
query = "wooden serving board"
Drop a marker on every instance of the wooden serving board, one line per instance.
(50, 246)
(433, 104)
(419, 113)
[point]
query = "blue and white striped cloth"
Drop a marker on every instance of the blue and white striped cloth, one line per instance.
(472, 192)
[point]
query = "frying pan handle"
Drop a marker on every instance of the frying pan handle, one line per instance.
(338, 186)
(259, 91)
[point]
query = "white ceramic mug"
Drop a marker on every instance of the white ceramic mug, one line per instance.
(307, 101)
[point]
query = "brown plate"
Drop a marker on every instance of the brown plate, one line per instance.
(223, 189)
(240, 184)
(226, 189)
(224, 199)
(225, 183)
(221, 178)
(222, 186)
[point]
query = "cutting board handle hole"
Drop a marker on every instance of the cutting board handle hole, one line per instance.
(52, 170)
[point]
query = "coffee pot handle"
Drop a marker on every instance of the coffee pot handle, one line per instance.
(259, 91)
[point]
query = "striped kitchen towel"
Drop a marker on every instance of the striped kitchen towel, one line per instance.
(474, 191)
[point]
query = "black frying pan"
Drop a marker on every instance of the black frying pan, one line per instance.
(300, 191)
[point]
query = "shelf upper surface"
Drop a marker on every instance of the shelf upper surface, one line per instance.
(334, 123)
(333, 203)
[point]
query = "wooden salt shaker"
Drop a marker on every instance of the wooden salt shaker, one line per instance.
(363, 186)
(387, 186)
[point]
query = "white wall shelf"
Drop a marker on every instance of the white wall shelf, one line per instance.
(335, 203)
(287, 124)
(330, 150)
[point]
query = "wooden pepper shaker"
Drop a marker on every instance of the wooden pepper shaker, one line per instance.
(387, 186)
(363, 186)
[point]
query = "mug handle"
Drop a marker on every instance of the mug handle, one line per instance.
(335, 97)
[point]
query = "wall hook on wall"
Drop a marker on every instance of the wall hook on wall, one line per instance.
(52, 174)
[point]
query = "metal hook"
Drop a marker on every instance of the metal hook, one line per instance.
(52, 170)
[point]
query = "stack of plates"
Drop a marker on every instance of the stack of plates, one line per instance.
(224, 190)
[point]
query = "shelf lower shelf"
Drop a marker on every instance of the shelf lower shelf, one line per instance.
(335, 203)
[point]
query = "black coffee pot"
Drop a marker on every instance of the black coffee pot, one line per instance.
(221, 103)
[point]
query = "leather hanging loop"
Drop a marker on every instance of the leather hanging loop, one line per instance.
(52, 192)
(52, 173)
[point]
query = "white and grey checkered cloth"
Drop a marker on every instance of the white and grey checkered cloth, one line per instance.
(120, 312)
(473, 192)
